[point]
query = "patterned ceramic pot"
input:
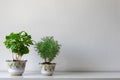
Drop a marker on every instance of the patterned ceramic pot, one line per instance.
(16, 68)
(47, 69)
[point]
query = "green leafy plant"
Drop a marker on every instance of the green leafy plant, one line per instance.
(18, 43)
(47, 48)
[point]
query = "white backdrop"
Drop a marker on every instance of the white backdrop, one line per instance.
(88, 30)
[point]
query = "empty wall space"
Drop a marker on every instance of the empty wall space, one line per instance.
(88, 30)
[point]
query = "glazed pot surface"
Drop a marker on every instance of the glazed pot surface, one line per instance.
(16, 68)
(47, 69)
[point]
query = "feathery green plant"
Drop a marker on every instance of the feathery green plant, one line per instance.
(47, 48)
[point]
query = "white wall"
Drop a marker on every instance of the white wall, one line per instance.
(88, 30)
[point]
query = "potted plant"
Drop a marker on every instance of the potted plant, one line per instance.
(47, 48)
(18, 43)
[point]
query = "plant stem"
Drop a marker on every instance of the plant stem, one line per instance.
(19, 57)
(16, 57)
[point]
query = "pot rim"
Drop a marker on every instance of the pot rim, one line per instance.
(16, 60)
(47, 63)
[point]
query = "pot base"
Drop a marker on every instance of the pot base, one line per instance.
(47, 74)
(16, 74)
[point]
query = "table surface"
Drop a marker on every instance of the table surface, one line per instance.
(65, 75)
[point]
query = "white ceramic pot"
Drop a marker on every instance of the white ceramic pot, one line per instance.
(16, 68)
(47, 69)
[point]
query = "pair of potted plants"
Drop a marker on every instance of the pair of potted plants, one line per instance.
(19, 44)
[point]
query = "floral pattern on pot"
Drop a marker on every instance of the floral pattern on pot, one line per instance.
(16, 68)
(47, 69)
(16, 64)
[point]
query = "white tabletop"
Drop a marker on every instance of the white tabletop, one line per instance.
(64, 75)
